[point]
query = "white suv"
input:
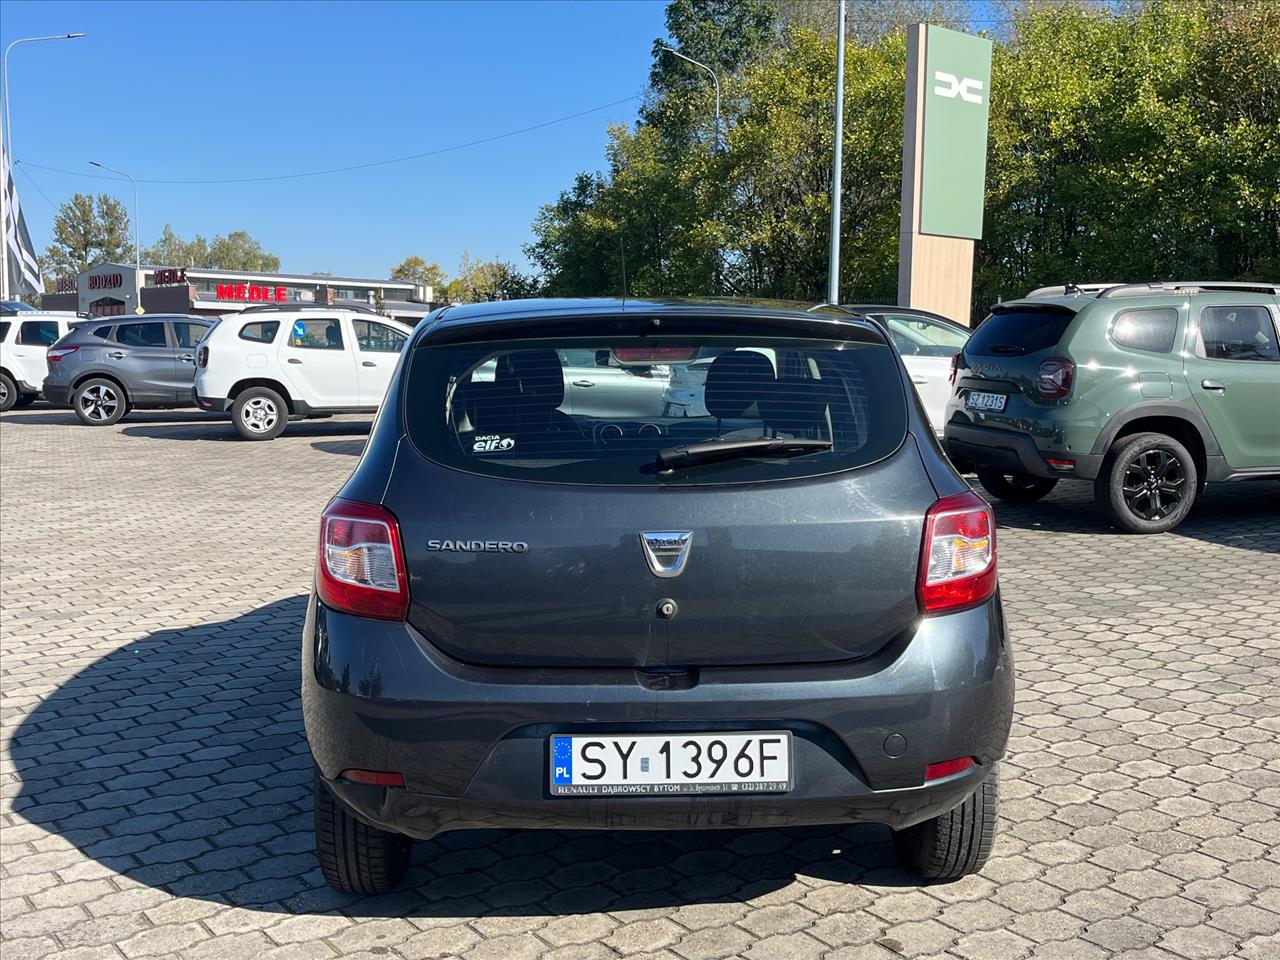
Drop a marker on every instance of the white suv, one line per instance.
(266, 364)
(25, 337)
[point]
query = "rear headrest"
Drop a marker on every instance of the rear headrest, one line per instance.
(538, 376)
(488, 405)
(737, 380)
(797, 405)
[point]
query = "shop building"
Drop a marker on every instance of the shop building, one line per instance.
(112, 289)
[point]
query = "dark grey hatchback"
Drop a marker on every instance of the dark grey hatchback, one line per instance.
(543, 601)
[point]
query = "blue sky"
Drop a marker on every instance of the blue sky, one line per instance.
(223, 90)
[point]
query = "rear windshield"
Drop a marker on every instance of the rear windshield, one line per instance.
(602, 410)
(1015, 332)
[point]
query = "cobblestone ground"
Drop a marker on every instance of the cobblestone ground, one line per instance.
(156, 783)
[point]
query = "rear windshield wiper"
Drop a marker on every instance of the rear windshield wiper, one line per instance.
(1006, 348)
(711, 451)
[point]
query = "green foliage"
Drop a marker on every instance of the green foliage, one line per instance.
(236, 251)
(480, 280)
(1127, 142)
(416, 270)
(87, 231)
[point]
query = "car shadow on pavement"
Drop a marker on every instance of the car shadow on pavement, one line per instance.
(44, 416)
(1245, 515)
(345, 448)
(220, 429)
(179, 762)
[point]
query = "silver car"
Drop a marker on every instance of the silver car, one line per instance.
(107, 366)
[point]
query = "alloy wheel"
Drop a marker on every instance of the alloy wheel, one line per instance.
(259, 415)
(99, 403)
(4, 393)
(1154, 484)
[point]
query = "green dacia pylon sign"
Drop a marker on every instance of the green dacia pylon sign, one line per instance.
(957, 98)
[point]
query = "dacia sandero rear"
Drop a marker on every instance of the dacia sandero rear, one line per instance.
(538, 606)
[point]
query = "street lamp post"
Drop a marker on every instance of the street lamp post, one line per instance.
(714, 79)
(833, 269)
(137, 250)
(8, 146)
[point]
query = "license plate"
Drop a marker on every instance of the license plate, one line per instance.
(985, 401)
(651, 765)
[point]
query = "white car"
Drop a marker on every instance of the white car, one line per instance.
(25, 337)
(265, 365)
(927, 343)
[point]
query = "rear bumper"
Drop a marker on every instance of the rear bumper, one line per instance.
(216, 404)
(1013, 452)
(57, 394)
(471, 741)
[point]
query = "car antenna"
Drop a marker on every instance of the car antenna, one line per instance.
(622, 252)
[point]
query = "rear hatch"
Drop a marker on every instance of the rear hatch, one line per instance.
(539, 538)
(997, 369)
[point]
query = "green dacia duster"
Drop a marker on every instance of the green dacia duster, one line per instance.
(1149, 390)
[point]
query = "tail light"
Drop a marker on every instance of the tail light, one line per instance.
(202, 357)
(958, 555)
(955, 367)
(57, 353)
(1053, 381)
(360, 568)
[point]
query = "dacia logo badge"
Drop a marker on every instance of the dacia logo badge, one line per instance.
(666, 551)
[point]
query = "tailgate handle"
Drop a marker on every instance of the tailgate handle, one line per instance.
(1213, 385)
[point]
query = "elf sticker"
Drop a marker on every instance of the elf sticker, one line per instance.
(493, 443)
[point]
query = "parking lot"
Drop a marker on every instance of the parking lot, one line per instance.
(157, 786)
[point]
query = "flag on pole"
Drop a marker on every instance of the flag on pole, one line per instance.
(20, 257)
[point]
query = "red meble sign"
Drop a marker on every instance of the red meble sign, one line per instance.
(241, 291)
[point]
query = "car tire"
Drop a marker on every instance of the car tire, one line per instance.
(954, 844)
(8, 393)
(1015, 487)
(355, 857)
(1147, 484)
(99, 402)
(259, 413)
(26, 399)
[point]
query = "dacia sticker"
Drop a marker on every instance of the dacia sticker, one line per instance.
(493, 443)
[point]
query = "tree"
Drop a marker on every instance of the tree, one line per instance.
(1128, 141)
(418, 271)
(87, 231)
(239, 251)
(480, 280)
(235, 251)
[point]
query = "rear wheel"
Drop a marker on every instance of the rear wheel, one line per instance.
(1015, 487)
(99, 402)
(8, 392)
(259, 413)
(355, 857)
(1147, 483)
(956, 843)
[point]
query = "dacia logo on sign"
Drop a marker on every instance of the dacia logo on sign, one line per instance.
(967, 89)
(493, 444)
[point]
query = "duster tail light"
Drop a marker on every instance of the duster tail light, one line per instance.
(360, 568)
(958, 554)
(1053, 381)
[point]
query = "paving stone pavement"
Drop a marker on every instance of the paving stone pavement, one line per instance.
(154, 782)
